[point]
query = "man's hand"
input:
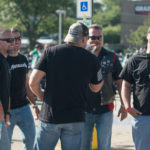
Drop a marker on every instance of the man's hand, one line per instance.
(7, 121)
(122, 113)
(37, 112)
(134, 112)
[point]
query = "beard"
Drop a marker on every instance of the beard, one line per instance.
(11, 51)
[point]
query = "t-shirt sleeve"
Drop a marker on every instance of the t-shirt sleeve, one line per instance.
(97, 73)
(34, 52)
(126, 73)
(116, 69)
(42, 62)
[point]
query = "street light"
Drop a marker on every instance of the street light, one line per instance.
(60, 12)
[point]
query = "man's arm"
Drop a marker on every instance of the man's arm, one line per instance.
(122, 112)
(1, 112)
(31, 53)
(30, 97)
(34, 83)
(96, 87)
(126, 97)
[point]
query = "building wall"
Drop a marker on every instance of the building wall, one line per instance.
(130, 19)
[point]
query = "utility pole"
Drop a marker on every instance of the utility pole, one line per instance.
(60, 13)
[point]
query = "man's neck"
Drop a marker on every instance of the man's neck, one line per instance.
(97, 52)
(14, 53)
(77, 44)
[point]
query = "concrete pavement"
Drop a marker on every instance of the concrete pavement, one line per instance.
(121, 134)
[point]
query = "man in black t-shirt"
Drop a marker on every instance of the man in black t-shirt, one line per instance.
(6, 43)
(69, 71)
(21, 95)
(137, 73)
(100, 105)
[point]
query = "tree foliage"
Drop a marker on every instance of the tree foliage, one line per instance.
(109, 17)
(33, 17)
(112, 34)
(138, 37)
(38, 17)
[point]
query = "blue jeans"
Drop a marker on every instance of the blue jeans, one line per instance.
(49, 134)
(141, 132)
(4, 141)
(104, 130)
(22, 117)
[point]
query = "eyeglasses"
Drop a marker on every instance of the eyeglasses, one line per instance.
(17, 38)
(9, 40)
(95, 37)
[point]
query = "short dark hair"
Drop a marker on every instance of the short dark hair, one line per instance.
(96, 26)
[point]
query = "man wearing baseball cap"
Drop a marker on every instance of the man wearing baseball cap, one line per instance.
(69, 70)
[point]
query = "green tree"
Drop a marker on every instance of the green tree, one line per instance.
(109, 17)
(138, 37)
(112, 34)
(34, 17)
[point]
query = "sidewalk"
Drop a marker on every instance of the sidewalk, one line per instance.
(121, 134)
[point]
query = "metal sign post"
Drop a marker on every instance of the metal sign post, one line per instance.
(60, 12)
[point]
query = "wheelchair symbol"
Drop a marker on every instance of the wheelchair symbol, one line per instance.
(84, 6)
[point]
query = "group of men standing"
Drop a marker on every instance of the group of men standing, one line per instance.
(79, 93)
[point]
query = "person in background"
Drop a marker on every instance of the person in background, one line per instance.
(100, 106)
(136, 73)
(21, 95)
(6, 44)
(45, 46)
(35, 53)
(69, 71)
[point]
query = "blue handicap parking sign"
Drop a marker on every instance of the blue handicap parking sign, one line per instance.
(84, 6)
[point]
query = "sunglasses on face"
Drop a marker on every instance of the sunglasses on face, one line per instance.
(95, 37)
(9, 40)
(17, 38)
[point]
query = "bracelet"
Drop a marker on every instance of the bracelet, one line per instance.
(122, 106)
(127, 109)
(35, 105)
(1, 107)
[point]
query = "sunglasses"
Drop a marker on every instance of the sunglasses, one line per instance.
(17, 38)
(95, 37)
(9, 40)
